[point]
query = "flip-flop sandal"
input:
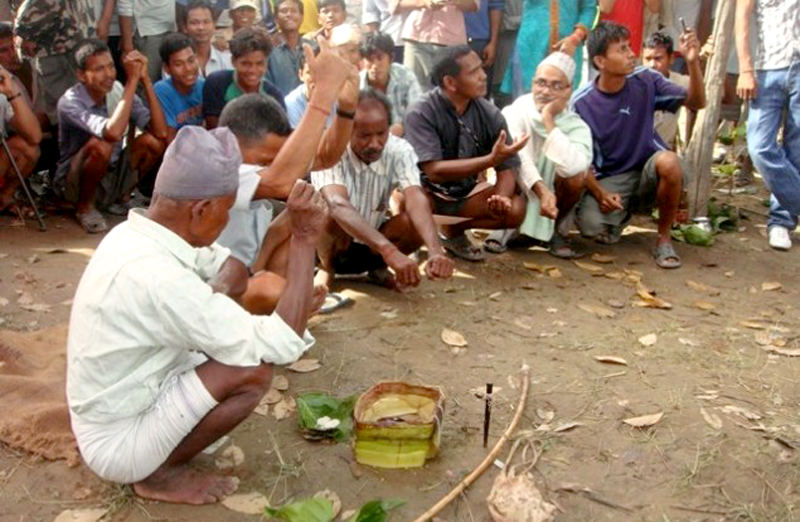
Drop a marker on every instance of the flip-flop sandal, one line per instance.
(560, 248)
(460, 246)
(333, 302)
(666, 257)
(497, 241)
(92, 222)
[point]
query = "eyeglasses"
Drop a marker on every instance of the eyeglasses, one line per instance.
(553, 86)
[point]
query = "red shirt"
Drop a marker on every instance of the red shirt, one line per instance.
(629, 13)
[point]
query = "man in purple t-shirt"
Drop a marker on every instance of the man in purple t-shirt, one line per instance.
(632, 165)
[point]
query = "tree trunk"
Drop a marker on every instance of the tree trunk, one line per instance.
(701, 146)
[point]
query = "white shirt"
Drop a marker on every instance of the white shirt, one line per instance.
(778, 36)
(377, 12)
(666, 122)
(142, 307)
(370, 185)
(151, 17)
(248, 220)
(569, 159)
(218, 61)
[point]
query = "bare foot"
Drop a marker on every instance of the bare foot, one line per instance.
(183, 485)
(318, 298)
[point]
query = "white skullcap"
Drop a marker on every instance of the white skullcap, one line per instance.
(200, 164)
(344, 34)
(561, 61)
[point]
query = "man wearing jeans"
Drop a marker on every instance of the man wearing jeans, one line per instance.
(771, 83)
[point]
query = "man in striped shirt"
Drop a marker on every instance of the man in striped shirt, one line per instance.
(361, 236)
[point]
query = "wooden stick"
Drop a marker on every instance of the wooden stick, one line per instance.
(477, 472)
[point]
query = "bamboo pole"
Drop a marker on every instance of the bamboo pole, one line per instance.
(700, 150)
(490, 457)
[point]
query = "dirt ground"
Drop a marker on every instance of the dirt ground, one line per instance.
(726, 447)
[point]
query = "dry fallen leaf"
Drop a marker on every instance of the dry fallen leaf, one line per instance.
(280, 383)
(688, 342)
(617, 276)
(615, 303)
(36, 307)
(273, 396)
(567, 426)
(700, 287)
(655, 302)
(231, 457)
(610, 359)
(336, 502)
(284, 408)
(495, 296)
(305, 365)
(704, 305)
(597, 310)
(711, 419)
(644, 292)
(25, 299)
(480, 391)
(768, 286)
(782, 351)
(603, 258)
(545, 414)
(753, 325)
(589, 267)
(730, 273)
(537, 267)
(644, 421)
(453, 338)
(522, 323)
(554, 273)
(80, 515)
(648, 340)
(247, 503)
(742, 412)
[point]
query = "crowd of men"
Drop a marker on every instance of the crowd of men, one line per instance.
(259, 149)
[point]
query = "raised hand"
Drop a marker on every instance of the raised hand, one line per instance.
(328, 70)
(308, 212)
(501, 151)
(689, 46)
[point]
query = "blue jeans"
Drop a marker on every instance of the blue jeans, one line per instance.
(778, 92)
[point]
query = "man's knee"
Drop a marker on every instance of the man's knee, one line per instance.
(147, 143)
(516, 215)
(24, 150)
(255, 380)
(571, 185)
(97, 151)
(589, 220)
(669, 167)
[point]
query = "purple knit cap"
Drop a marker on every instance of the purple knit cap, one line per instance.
(200, 164)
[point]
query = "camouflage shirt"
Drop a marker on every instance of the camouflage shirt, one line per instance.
(56, 26)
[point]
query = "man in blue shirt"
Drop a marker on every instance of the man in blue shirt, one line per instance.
(180, 95)
(483, 30)
(632, 165)
(286, 58)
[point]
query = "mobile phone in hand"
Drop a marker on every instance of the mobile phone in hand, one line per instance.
(683, 24)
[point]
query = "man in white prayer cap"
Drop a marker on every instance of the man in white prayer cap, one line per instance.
(554, 161)
(161, 361)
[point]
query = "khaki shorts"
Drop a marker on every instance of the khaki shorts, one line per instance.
(637, 190)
